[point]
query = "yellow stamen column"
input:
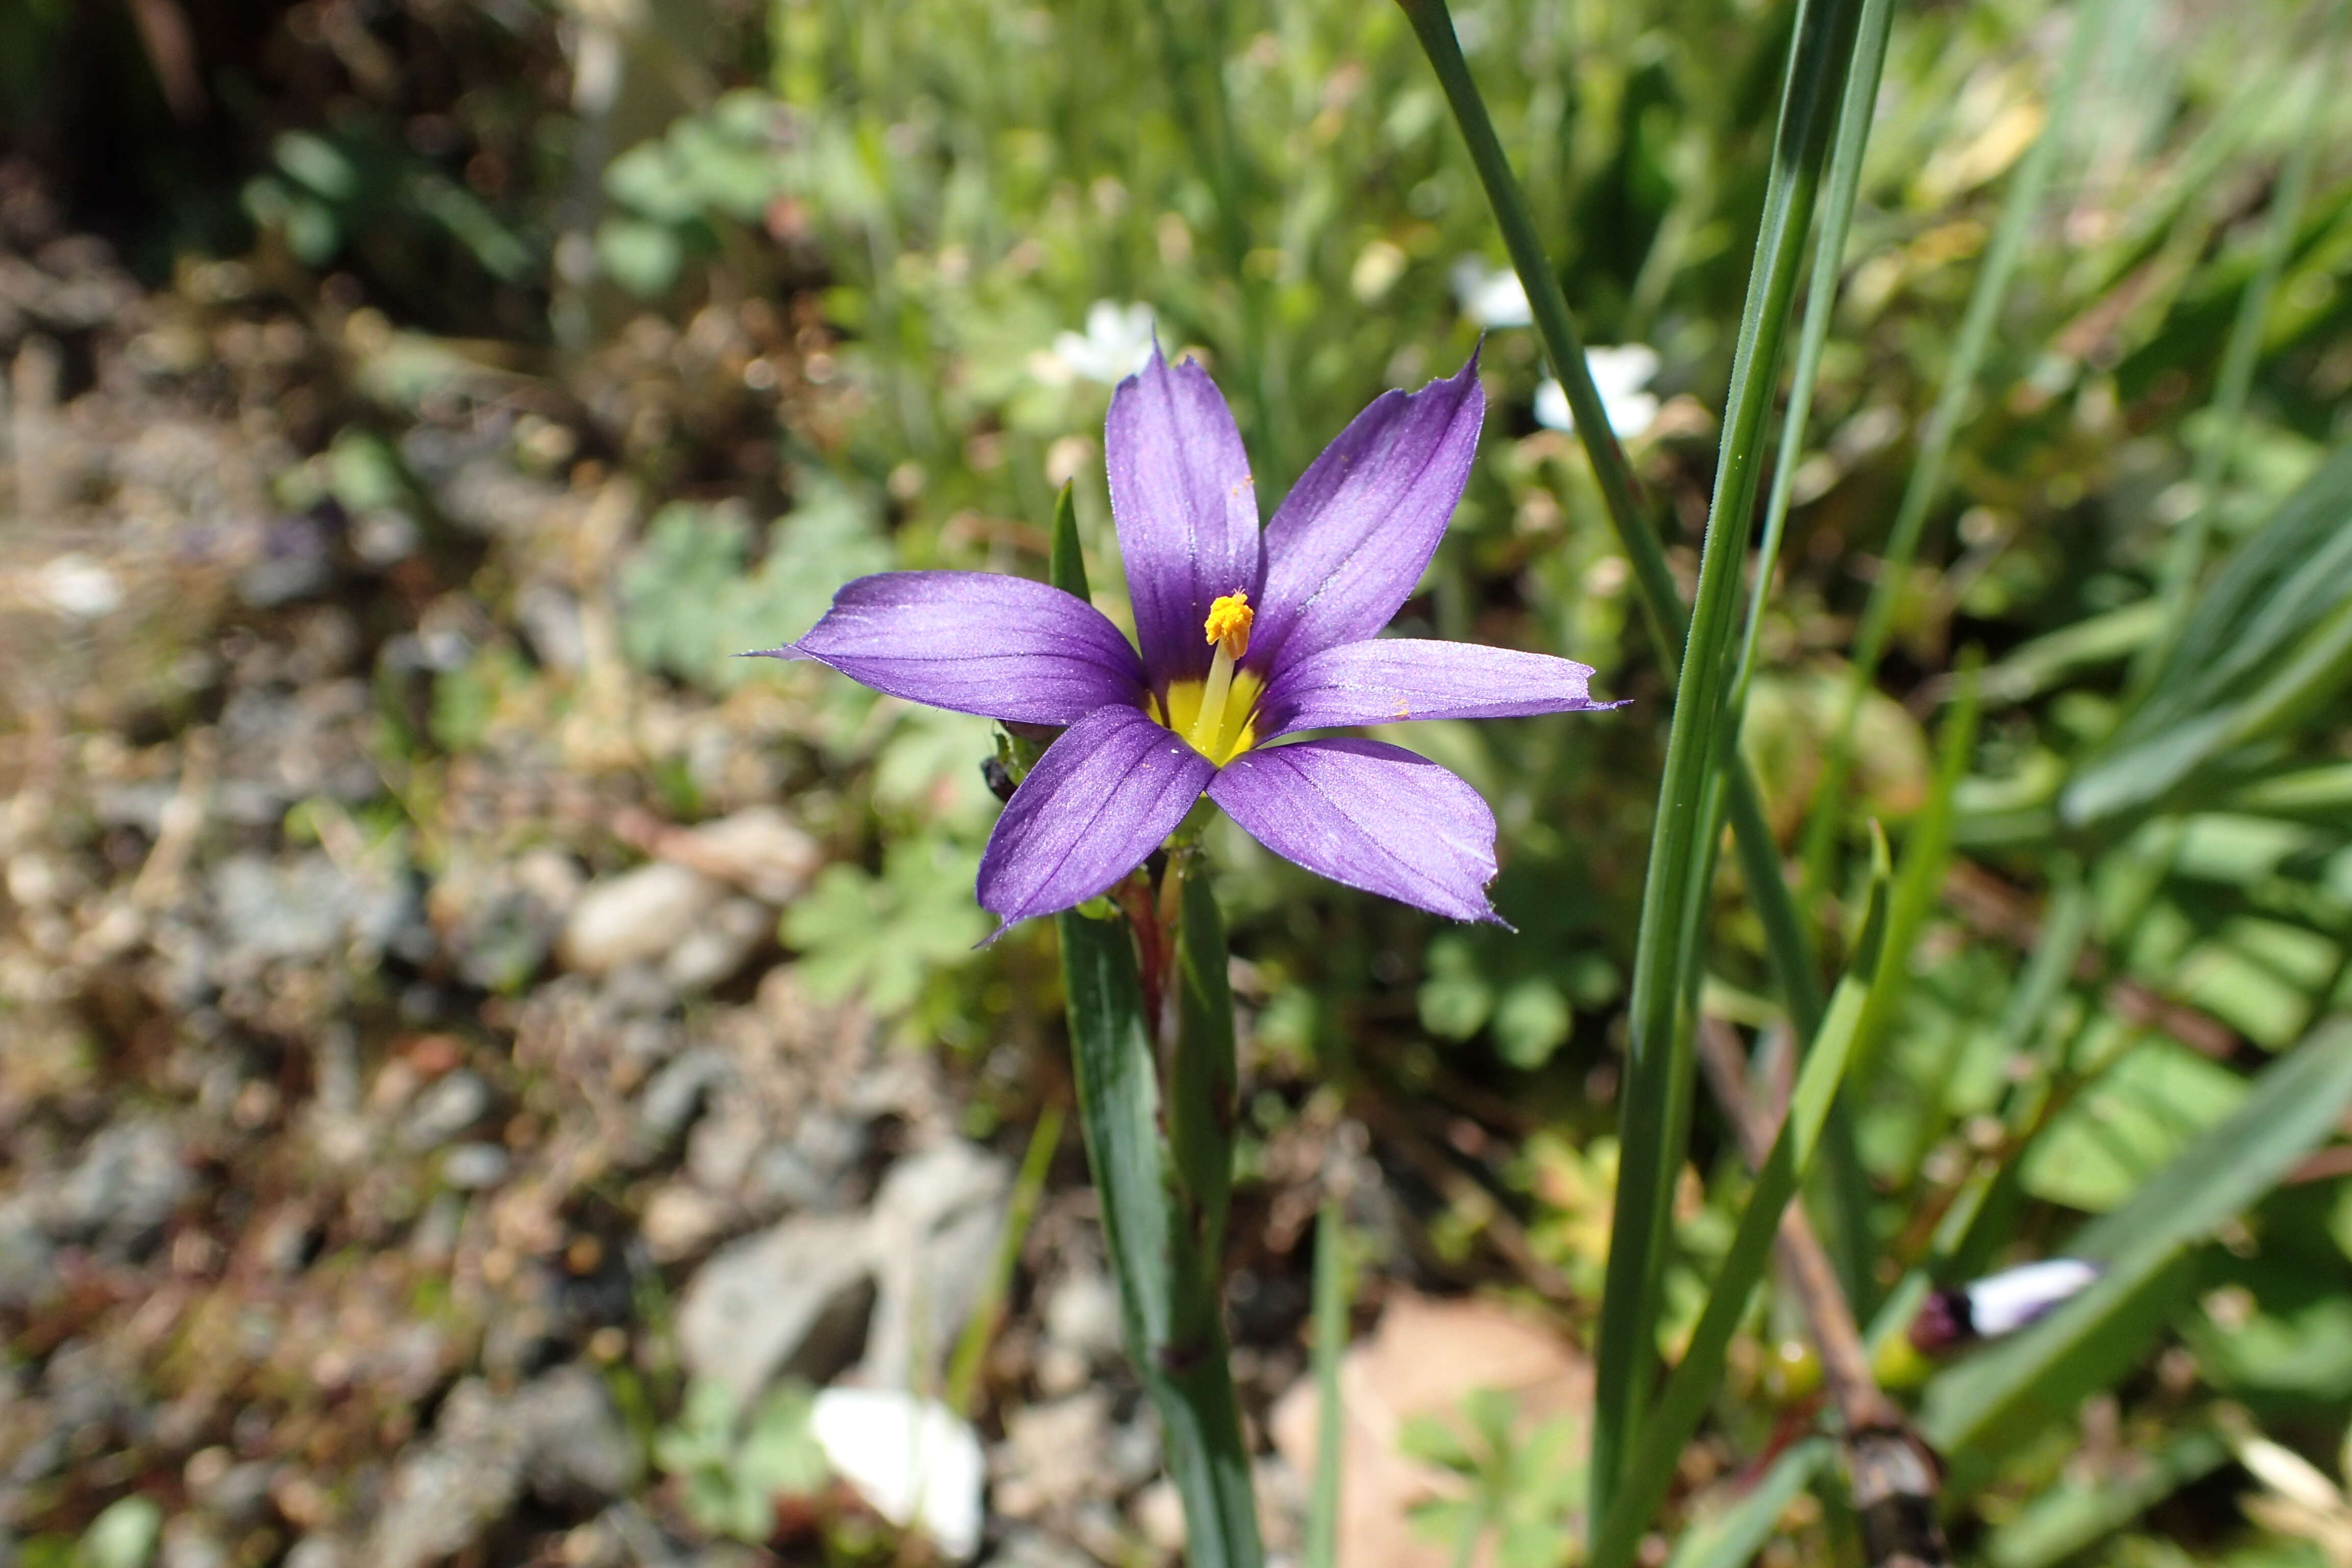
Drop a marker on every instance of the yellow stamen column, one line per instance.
(1228, 626)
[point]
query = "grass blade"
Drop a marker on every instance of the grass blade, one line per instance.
(1650, 1469)
(2263, 641)
(2235, 379)
(1653, 1119)
(1163, 1207)
(2039, 1376)
(980, 1331)
(1926, 853)
(2077, 1514)
(1661, 607)
(2019, 209)
(1168, 1302)
(1334, 1281)
(1733, 1537)
(1848, 1187)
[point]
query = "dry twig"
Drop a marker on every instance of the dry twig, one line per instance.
(1893, 1474)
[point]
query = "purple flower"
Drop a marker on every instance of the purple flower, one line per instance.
(1247, 638)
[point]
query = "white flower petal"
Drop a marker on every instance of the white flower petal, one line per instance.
(913, 1460)
(2005, 1303)
(1493, 298)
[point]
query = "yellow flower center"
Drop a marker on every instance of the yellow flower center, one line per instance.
(1218, 715)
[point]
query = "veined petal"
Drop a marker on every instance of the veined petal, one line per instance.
(1186, 508)
(1371, 815)
(1351, 538)
(1004, 648)
(1387, 679)
(1101, 798)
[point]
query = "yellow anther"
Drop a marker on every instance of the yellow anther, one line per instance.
(1228, 622)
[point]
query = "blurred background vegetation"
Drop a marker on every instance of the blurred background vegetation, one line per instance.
(416, 404)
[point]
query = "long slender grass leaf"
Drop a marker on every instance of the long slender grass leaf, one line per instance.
(1169, 1309)
(1653, 581)
(1652, 1466)
(1667, 954)
(2020, 205)
(1334, 1280)
(1732, 1538)
(2073, 1515)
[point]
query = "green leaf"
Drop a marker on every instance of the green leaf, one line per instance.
(1168, 1297)
(690, 608)
(1732, 1537)
(2020, 206)
(1651, 1468)
(1669, 946)
(2010, 1388)
(2075, 1514)
(2140, 1113)
(2269, 636)
(884, 937)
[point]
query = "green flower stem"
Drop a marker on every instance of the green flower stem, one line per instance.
(1169, 1305)
(1791, 957)
(1655, 1107)
(1655, 1113)
(1164, 1202)
(2019, 207)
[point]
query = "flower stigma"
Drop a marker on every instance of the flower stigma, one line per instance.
(1228, 626)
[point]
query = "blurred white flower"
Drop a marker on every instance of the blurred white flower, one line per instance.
(913, 1461)
(1622, 376)
(1491, 299)
(75, 585)
(1115, 345)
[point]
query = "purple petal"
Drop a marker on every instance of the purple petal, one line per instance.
(1187, 512)
(1351, 538)
(1390, 679)
(1099, 800)
(1004, 648)
(1372, 815)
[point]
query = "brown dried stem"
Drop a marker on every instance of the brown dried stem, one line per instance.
(1893, 1474)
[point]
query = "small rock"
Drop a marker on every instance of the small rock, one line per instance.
(579, 1453)
(189, 1542)
(937, 1220)
(319, 1551)
(680, 1220)
(638, 915)
(673, 1098)
(551, 619)
(1083, 1314)
(304, 909)
(1028, 1548)
(558, 1436)
(716, 948)
(1053, 1453)
(125, 1186)
(913, 1460)
(472, 1167)
(786, 1298)
(1160, 1514)
(451, 1104)
(759, 850)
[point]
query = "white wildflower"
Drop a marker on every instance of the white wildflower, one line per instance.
(913, 1460)
(1492, 299)
(1622, 376)
(1115, 345)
